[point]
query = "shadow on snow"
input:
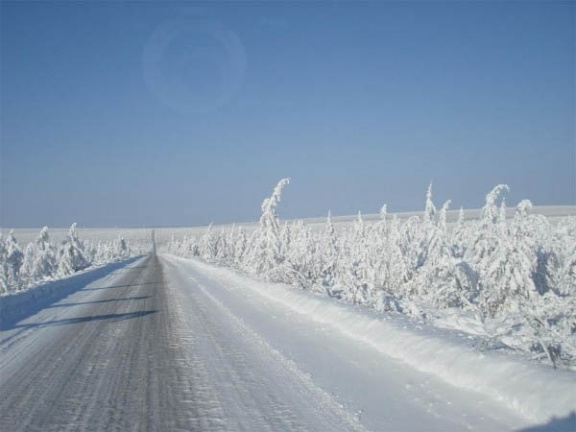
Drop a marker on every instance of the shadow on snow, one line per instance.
(21, 305)
(114, 317)
(98, 301)
(119, 286)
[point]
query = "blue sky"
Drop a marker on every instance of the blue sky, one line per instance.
(161, 113)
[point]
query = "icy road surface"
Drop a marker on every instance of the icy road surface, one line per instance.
(165, 344)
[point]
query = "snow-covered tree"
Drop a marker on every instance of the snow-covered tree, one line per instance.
(71, 256)
(330, 255)
(240, 246)
(225, 247)
(13, 262)
(122, 249)
(209, 245)
(487, 239)
(39, 259)
(267, 246)
(42, 261)
(459, 238)
(430, 208)
(519, 272)
(4, 287)
(507, 269)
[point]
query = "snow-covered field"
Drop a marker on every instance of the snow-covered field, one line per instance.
(164, 234)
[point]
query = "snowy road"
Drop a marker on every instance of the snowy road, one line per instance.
(165, 344)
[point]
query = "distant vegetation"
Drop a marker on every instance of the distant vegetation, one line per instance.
(42, 260)
(515, 276)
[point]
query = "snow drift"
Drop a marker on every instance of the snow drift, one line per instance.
(535, 391)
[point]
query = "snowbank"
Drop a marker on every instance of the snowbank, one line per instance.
(536, 392)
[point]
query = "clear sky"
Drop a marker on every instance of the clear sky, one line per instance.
(173, 113)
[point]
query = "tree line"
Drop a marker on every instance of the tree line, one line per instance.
(517, 276)
(43, 260)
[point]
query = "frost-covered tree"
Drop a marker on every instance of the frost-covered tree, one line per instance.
(442, 224)
(398, 266)
(39, 259)
(286, 238)
(71, 256)
(487, 239)
(300, 263)
(240, 246)
(13, 262)
(267, 246)
(42, 261)
(459, 237)
(565, 275)
(122, 249)
(330, 254)
(430, 208)
(353, 277)
(225, 247)
(209, 245)
(4, 287)
(490, 211)
(520, 272)
(507, 277)
(102, 252)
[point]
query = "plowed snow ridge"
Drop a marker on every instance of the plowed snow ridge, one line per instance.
(535, 391)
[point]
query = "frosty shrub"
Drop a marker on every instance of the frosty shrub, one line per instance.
(71, 255)
(517, 275)
(266, 253)
(40, 260)
(43, 260)
(12, 262)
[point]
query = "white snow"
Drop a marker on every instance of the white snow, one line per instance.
(20, 304)
(251, 355)
(535, 393)
(308, 353)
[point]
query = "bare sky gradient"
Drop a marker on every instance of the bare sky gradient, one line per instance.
(172, 113)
